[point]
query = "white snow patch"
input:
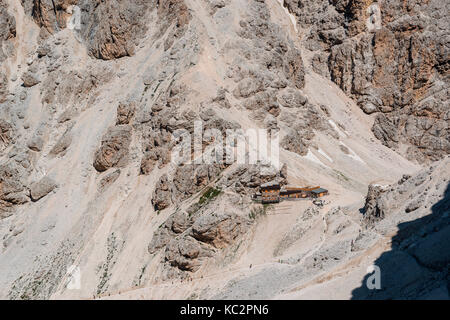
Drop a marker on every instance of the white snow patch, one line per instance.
(290, 15)
(310, 156)
(380, 185)
(325, 155)
(352, 153)
(334, 125)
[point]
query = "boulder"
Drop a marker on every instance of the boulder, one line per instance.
(219, 230)
(12, 185)
(6, 134)
(125, 112)
(108, 180)
(114, 148)
(184, 253)
(374, 209)
(161, 195)
(62, 144)
(30, 79)
(41, 188)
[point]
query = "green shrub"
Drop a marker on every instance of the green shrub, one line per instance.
(209, 195)
(258, 211)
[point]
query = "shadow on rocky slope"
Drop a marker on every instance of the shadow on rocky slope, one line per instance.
(418, 265)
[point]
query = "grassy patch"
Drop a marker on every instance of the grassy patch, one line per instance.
(341, 175)
(105, 268)
(209, 195)
(259, 211)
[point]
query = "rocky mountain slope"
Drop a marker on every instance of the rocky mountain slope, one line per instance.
(392, 58)
(93, 92)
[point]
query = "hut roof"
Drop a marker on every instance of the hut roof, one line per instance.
(319, 190)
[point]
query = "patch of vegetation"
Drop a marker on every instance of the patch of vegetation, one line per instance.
(105, 268)
(142, 274)
(43, 281)
(341, 176)
(259, 211)
(193, 296)
(138, 280)
(209, 195)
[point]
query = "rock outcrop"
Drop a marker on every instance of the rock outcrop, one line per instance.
(208, 233)
(62, 144)
(13, 189)
(110, 29)
(30, 79)
(246, 178)
(113, 151)
(125, 112)
(418, 209)
(374, 209)
(100, 106)
(186, 181)
(218, 230)
(6, 134)
(7, 33)
(188, 240)
(412, 196)
(49, 14)
(41, 188)
(392, 58)
(162, 195)
(185, 253)
(7, 22)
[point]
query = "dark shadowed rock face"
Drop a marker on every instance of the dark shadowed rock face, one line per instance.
(395, 64)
